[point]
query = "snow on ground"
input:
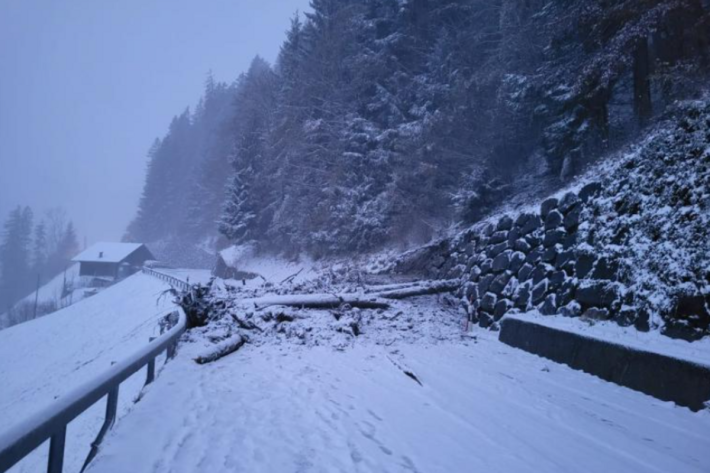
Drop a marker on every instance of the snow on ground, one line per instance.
(44, 358)
(696, 352)
(482, 406)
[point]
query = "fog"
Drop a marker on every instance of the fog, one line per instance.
(87, 86)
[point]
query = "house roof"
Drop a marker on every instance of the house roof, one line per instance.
(107, 252)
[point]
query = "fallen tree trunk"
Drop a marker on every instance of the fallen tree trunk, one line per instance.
(221, 349)
(316, 301)
(435, 288)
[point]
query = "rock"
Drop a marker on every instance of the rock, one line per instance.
(488, 302)
(557, 279)
(605, 269)
(533, 240)
(567, 202)
(539, 291)
(563, 257)
(474, 274)
(682, 330)
(497, 249)
(585, 263)
(513, 236)
(689, 303)
(553, 237)
(595, 313)
(534, 256)
(517, 260)
(540, 272)
(570, 241)
(485, 319)
(566, 291)
(502, 306)
(505, 223)
(589, 191)
(522, 246)
(470, 249)
(486, 266)
(471, 292)
(532, 224)
(572, 309)
(549, 255)
(511, 288)
(547, 206)
(499, 283)
(626, 316)
(502, 261)
(549, 307)
(568, 267)
(554, 219)
(522, 219)
(521, 299)
(571, 221)
(456, 272)
(498, 237)
(488, 229)
(525, 272)
(597, 293)
(485, 283)
(642, 322)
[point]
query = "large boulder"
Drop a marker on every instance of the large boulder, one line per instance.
(499, 283)
(547, 206)
(488, 302)
(517, 260)
(598, 293)
(568, 202)
(539, 291)
(549, 307)
(531, 224)
(505, 223)
(554, 219)
(553, 237)
(589, 191)
(502, 261)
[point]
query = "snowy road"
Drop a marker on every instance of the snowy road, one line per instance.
(483, 407)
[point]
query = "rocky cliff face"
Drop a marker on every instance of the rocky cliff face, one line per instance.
(631, 245)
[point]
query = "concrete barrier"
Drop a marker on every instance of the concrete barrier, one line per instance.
(664, 377)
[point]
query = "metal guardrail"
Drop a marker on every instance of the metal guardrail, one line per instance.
(51, 423)
(173, 281)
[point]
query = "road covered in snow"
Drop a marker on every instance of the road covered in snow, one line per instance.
(43, 359)
(476, 405)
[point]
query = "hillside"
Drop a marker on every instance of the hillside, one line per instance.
(627, 243)
(384, 122)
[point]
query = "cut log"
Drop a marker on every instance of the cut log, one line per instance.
(317, 301)
(434, 288)
(221, 349)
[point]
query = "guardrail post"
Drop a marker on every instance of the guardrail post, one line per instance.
(150, 375)
(111, 408)
(55, 464)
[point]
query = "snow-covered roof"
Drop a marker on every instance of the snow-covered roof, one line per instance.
(107, 252)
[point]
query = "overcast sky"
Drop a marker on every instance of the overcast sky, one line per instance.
(87, 85)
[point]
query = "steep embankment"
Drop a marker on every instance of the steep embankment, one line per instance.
(631, 243)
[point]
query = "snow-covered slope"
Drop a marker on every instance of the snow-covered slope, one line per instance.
(42, 359)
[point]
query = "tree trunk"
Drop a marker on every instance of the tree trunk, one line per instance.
(642, 86)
